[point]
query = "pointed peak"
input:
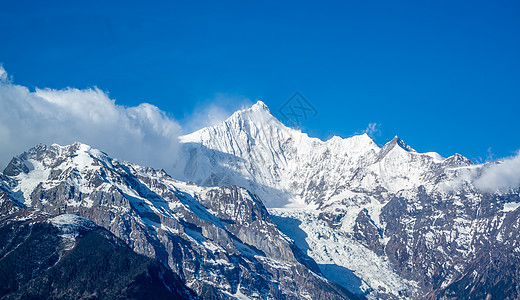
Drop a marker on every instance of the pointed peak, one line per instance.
(260, 105)
(397, 141)
(256, 116)
(257, 113)
(258, 108)
(363, 138)
(457, 160)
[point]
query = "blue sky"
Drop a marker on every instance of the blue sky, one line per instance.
(444, 76)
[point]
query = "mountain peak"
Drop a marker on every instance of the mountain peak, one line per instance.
(397, 141)
(457, 160)
(255, 118)
(77, 154)
(259, 110)
(259, 105)
(256, 115)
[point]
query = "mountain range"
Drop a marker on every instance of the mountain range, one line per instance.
(263, 211)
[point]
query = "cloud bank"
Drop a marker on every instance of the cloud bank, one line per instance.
(142, 134)
(502, 176)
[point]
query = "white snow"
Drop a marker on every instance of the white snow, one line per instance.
(70, 226)
(74, 167)
(436, 156)
(27, 182)
(341, 258)
(511, 206)
(287, 168)
(298, 177)
(239, 295)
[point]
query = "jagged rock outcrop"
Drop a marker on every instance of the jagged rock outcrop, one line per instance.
(382, 222)
(220, 241)
(68, 257)
(418, 218)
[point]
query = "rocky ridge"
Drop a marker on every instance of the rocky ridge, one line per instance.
(68, 257)
(416, 218)
(220, 241)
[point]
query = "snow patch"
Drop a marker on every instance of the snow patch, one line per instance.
(511, 206)
(341, 258)
(71, 226)
(27, 182)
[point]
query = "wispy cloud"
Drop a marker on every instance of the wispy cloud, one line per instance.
(490, 156)
(213, 111)
(373, 129)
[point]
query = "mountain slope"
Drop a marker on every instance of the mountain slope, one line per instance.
(68, 257)
(406, 224)
(287, 168)
(381, 222)
(220, 241)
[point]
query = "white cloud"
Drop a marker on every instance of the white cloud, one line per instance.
(215, 110)
(501, 176)
(3, 74)
(142, 134)
(372, 129)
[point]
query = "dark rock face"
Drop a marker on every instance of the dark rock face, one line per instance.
(7, 206)
(460, 246)
(431, 218)
(367, 232)
(494, 273)
(38, 263)
(220, 241)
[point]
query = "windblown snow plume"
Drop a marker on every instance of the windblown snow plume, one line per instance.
(142, 134)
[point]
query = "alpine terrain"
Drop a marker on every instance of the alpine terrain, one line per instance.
(220, 242)
(383, 222)
(68, 257)
(262, 211)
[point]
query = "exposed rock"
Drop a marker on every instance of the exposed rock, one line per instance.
(220, 241)
(67, 257)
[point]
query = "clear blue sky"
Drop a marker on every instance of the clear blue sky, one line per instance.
(443, 75)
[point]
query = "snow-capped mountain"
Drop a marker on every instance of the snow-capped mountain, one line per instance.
(381, 221)
(220, 241)
(287, 168)
(345, 218)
